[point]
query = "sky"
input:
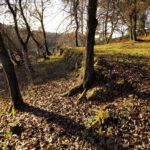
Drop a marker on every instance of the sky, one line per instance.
(54, 16)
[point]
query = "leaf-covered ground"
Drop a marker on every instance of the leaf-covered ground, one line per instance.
(50, 121)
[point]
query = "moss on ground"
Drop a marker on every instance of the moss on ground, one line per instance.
(92, 94)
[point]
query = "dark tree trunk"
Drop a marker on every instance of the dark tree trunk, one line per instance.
(134, 27)
(130, 33)
(76, 32)
(82, 17)
(145, 32)
(82, 22)
(106, 23)
(89, 62)
(13, 57)
(130, 30)
(45, 38)
(133, 23)
(76, 4)
(9, 70)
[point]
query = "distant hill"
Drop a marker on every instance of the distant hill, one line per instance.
(51, 37)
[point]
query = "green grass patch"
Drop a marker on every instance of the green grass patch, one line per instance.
(139, 48)
(125, 48)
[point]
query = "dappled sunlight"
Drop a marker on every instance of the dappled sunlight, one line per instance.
(84, 86)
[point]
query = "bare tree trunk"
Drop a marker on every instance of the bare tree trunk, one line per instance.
(76, 33)
(76, 4)
(41, 19)
(10, 74)
(12, 55)
(134, 27)
(133, 23)
(112, 31)
(83, 38)
(82, 17)
(45, 38)
(130, 28)
(89, 59)
(24, 44)
(106, 23)
(89, 62)
(38, 47)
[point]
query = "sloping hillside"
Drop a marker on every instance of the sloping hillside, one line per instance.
(119, 101)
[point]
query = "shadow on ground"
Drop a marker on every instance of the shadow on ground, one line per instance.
(72, 128)
(121, 76)
(141, 40)
(134, 71)
(51, 70)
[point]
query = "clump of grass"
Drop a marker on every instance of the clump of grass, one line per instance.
(120, 82)
(99, 120)
(91, 94)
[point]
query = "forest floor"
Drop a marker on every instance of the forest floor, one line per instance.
(51, 121)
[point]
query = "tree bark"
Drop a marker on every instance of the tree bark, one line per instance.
(76, 32)
(130, 28)
(10, 74)
(89, 62)
(82, 22)
(134, 27)
(45, 38)
(13, 57)
(41, 19)
(106, 23)
(76, 4)
(82, 17)
(133, 23)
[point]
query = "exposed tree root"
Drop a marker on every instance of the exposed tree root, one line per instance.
(74, 90)
(81, 88)
(77, 89)
(19, 106)
(83, 95)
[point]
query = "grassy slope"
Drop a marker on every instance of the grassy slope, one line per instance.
(131, 48)
(127, 48)
(140, 48)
